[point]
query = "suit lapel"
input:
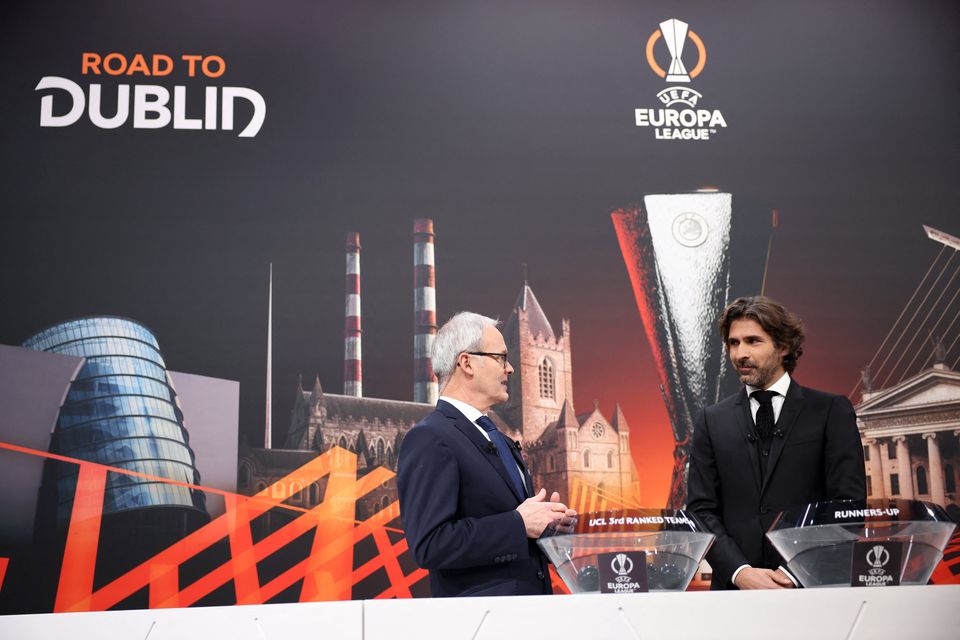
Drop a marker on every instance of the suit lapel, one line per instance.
(745, 422)
(792, 406)
(472, 433)
(527, 478)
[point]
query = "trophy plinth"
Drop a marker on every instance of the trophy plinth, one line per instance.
(629, 550)
(846, 543)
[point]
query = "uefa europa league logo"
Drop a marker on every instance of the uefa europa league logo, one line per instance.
(674, 35)
(877, 558)
(621, 564)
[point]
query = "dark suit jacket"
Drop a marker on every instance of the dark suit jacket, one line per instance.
(819, 457)
(459, 511)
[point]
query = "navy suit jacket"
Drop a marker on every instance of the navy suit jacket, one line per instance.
(459, 511)
(818, 457)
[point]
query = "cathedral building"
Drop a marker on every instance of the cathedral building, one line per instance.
(373, 428)
(560, 447)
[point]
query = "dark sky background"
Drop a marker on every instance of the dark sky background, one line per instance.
(511, 125)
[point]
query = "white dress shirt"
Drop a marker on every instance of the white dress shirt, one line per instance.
(471, 413)
(780, 386)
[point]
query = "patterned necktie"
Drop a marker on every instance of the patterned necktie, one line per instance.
(503, 449)
(765, 420)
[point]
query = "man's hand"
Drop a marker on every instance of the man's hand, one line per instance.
(567, 523)
(538, 514)
(751, 578)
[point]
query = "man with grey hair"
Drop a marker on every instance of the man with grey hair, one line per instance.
(466, 498)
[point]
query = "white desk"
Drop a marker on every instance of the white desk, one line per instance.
(903, 613)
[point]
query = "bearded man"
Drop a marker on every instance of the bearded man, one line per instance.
(771, 446)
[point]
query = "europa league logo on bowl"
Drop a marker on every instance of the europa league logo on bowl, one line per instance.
(622, 565)
(623, 572)
(876, 564)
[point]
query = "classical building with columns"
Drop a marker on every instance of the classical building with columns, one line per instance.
(910, 435)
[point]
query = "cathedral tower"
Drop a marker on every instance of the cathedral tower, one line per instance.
(543, 375)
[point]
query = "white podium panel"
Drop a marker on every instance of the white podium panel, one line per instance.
(845, 614)
(340, 620)
(928, 612)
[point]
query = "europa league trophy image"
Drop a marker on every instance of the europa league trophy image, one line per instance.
(674, 34)
(677, 249)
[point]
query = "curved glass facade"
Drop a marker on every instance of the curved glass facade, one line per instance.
(121, 411)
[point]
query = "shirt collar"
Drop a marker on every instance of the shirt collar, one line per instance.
(470, 412)
(780, 386)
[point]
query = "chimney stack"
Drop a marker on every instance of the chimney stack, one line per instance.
(352, 352)
(425, 388)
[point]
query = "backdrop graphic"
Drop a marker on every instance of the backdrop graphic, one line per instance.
(157, 160)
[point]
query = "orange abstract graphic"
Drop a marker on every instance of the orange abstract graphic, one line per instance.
(327, 573)
(586, 498)
(330, 570)
(948, 571)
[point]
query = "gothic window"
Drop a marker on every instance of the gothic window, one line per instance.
(597, 430)
(586, 458)
(894, 484)
(546, 379)
(922, 481)
(891, 450)
(950, 483)
(314, 494)
(390, 458)
(385, 502)
(381, 454)
(609, 459)
(343, 442)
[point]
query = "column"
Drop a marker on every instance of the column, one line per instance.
(937, 493)
(956, 471)
(876, 469)
(905, 469)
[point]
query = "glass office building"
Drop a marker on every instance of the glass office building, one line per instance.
(121, 411)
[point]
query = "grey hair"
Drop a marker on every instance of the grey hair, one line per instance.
(462, 332)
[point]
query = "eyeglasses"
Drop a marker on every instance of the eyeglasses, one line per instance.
(499, 357)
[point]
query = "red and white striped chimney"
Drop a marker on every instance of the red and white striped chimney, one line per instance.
(352, 352)
(425, 387)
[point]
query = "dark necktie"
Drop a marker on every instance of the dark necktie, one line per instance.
(503, 449)
(765, 420)
(765, 423)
